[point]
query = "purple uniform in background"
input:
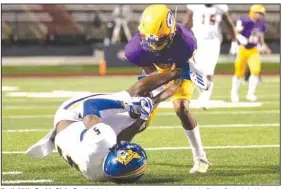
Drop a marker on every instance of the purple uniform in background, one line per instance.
(179, 52)
(252, 31)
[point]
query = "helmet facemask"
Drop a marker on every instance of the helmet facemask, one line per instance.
(154, 43)
(157, 28)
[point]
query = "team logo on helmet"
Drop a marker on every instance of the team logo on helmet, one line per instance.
(125, 156)
(169, 19)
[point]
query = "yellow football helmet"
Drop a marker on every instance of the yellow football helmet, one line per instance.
(257, 9)
(157, 27)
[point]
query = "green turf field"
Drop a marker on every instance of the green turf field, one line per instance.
(243, 144)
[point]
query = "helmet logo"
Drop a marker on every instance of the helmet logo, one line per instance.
(169, 19)
(125, 156)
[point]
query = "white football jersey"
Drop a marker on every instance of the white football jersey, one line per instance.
(118, 119)
(87, 153)
(206, 21)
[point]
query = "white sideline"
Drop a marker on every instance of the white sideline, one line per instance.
(237, 112)
(219, 126)
(11, 173)
(214, 147)
(24, 130)
(28, 107)
(183, 147)
(28, 116)
(24, 181)
(163, 127)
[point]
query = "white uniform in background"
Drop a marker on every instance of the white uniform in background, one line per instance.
(207, 30)
(85, 152)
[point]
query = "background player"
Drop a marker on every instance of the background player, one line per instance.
(159, 43)
(205, 21)
(251, 31)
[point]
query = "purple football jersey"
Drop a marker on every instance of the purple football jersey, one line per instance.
(181, 49)
(252, 31)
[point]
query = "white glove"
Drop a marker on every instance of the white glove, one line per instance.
(242, 40)
(140, 105)
(234, 48)
(146, 108)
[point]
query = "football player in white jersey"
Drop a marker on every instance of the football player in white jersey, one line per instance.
(205, 21)
(86, 127)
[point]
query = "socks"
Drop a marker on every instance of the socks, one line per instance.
(194, 139)
(253, 82)
(235, 84)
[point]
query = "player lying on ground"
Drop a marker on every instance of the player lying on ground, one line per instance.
(205, 21)
(251, 31)
(86, 127)
(160, 43)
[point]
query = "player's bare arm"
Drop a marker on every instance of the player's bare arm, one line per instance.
(149, 69)
(168, 92)
(188, 21)
(93, 107)
(128, 133)
(151, 82)
(228, 20)
(265, 47)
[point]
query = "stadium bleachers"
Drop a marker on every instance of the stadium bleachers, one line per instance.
(78, 18)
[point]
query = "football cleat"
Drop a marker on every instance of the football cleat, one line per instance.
(251, 97)
(201, 165)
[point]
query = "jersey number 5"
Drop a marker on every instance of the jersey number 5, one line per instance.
(97, 131)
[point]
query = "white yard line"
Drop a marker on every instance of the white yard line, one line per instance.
(28, 107)
(13, 99)
(44, 106)
(183, 147)
(25, 130)
(25, 181)
(219, 126)
(215, 147)
(238, 112)
(235, 112)
(163, 127)
(260, 97)
(28, 116)
(12, 173)
(9, 88)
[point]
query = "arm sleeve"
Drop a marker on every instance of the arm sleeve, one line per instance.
(136, 59)
(96, 106)
(135, 54)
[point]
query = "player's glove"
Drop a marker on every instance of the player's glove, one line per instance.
(146, 108)
(139, 105)
(242, 40)
(234, 48)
